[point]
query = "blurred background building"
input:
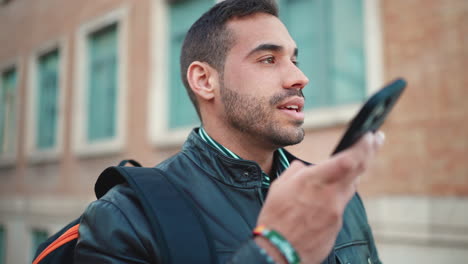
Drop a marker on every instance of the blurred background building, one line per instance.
(84, 84)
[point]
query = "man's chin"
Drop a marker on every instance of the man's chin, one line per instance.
(288, 138)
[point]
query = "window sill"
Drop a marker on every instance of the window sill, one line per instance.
(99, 149)
(7, 161)
(172, 137)
(315, 119)
(44, 156)
(328, 117)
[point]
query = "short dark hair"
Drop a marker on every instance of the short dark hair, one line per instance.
(208, 40)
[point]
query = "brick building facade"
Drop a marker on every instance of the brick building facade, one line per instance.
(416, 192)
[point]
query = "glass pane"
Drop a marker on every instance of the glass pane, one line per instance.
(330, 38)
(2, 245)
(8, 111)
(306, 22)
(347, 67)
(102, 93)
(182, 15)
(47, 96)
(3, 107)
(38, 236)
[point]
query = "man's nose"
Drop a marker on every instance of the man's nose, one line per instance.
(294, 78)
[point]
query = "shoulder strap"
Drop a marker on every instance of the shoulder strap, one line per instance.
(179, 230)
(60, 246)
(133, 162)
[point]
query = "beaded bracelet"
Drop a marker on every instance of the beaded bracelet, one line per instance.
(275, 238)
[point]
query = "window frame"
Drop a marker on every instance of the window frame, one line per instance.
(9, 159)
(33, 232)
(158, 100)
(159, 131)
(342, 114)
(3, 245)
(113, 145)
(34, 154)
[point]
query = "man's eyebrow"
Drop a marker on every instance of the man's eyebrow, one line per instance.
(270, 47)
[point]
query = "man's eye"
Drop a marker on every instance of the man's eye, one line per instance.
(268, 60)
(295, 62)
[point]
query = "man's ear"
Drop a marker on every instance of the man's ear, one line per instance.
(203, 79)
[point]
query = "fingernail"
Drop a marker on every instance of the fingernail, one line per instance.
(380, 138)
(369, 137)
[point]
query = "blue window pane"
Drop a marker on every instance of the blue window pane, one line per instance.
(2, 245)
(347, 67)
(38, 236)
(330, 38)
(3, 106)
(102, 86)
(182, 15)
(306, 22)
(8, 111)
(47, 96)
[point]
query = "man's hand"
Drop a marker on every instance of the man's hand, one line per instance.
(306, 204)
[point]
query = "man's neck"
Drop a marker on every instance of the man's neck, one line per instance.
(244, 146)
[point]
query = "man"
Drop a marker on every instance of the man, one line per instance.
(239, 66)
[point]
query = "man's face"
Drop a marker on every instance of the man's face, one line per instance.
(261, 86)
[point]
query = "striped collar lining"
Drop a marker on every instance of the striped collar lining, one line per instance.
(282, 165)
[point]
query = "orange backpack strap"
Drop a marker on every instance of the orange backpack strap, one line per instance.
(69, 235)
(60, 247)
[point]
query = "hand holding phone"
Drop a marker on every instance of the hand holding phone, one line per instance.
(372, 114)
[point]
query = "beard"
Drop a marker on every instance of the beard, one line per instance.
(254, 116)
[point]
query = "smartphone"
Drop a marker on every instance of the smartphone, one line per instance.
(372, 114)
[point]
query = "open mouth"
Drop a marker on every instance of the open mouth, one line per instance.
(295, 104)
(295, 108)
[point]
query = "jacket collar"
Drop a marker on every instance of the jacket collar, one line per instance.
(228, 170)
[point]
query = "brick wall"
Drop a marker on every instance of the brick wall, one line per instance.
(425, 41)
(25, 27)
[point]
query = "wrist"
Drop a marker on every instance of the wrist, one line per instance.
(277, 246)
(271, 250)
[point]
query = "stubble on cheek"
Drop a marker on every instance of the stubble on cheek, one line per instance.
(256, 116)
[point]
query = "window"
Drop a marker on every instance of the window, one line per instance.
(38, 236)
(339, 50)
(45, 102)
(101, 84)
(47, 96)
(182, 15)
(331, 41)
(2, 245)
(8, 94)
(4, 3)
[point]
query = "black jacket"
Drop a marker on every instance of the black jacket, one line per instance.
(228, 194)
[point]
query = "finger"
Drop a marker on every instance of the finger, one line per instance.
(379, 139)
(346, 165)
(363, 147)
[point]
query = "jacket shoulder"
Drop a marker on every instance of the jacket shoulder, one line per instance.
(113, 229)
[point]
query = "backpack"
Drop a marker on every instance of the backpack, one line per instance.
(171, 214)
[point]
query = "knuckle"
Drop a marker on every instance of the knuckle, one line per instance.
(339, 224)
(361, 167)
(346, 164)
(335, 214)
(368, 147)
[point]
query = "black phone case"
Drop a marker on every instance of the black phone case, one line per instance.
(372, 114)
